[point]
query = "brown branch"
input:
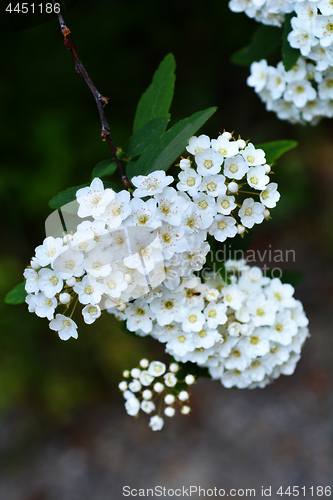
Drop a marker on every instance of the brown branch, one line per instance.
(101, 101)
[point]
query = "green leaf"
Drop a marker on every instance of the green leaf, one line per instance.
(265, 40)
(139, 141)
(275, 149)
(290, 56)
(61, 199)
(112, 185)
(104, 168)
(166, 149)
(156, 101)
(17, 295)
(131, 169)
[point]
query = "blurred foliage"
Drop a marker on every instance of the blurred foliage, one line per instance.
(50, 140)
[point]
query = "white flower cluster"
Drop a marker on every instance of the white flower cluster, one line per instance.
(246, 333)
(302, 95)
(128, 245)
(150, 387)
(264, 11)
(305, 93)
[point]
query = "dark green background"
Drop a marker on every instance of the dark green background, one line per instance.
(50, 140)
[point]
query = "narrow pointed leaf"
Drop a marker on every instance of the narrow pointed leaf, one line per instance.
(166, 149)
(156, 101)
(275, 149)
(290, 55)
(17, 295)
(265, 40)
(140, 141)
(104, 168)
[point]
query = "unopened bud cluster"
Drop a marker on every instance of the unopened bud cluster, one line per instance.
(151, 388)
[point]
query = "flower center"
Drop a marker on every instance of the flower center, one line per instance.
(223, 151)
(264, 195)
(54, 280)
(233, 168)
(225, 204)
(208, 164)
(279, 327)
(181, 339)
(88, 290)
(190, 181)
(222, 224)
(140, 311)
(97, 266)
(96, 199)
(212, 313)
(248, 211)
(211, 186)
(202, 333)
(67, 323)
(299, 89)
(260, 312)
(143, 219)
(168, 304)
(203, 204)
(111, 284)
(254, 340)
(166, 237)
(192, 318)
(254, 180)
(92, 310)
(69, 264)
(250, 159)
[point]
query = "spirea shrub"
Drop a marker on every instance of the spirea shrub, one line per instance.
(148, 255)
(299, 89)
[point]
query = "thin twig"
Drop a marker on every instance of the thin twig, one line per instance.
(101, 101)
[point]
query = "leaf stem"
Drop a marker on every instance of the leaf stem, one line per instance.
(101, 101)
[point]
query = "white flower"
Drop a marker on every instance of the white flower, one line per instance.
(65, 327)
(251, 213)
(297, 72)
(49, 250)
(206, 206)
(253, 156)
(143, 214)
(171, 206)
(233, 296)
(189, 180)
(209, 162)
(193, 321)
(69, 263)
(180, 344)
(270, 196)
(301, 36)
(146, 378)
(276, 83)
(256, 344)
(50, 282)
(215, 314)
(115, 284)
(156, 368)
(257, 178)
(185, 163)
(132, 406)
(89, 290)
(224, 146)
(225, 204)
(223, 227)
(238, 358)
(139, 316)
(205, 338)
(44, 306)
(235, 167)
(172, 240)
(299, 93)
(117, 210)
(323, 29)
(134, 386)
(258, 76)
(281, 294)
(32, 278)
(168, 308)
(262, 310)
(94, 199)
(147, 406)
(91, 313)
(156, 423)
(198, 144)
(148, 185)
(213, 185)
(170, 379)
